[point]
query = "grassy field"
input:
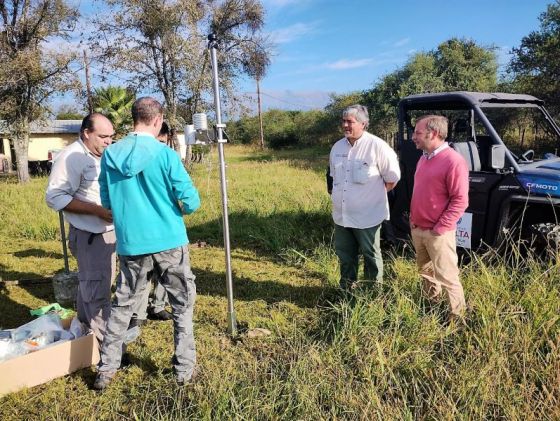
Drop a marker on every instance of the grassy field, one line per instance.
(381, 353)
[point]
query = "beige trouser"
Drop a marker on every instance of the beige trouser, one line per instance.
(436, 257)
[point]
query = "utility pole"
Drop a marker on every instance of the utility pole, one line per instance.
(259, 111)
(88, 84)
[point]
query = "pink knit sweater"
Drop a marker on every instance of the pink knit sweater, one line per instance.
(441, 192)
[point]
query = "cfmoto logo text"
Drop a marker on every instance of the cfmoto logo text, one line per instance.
(542, 186)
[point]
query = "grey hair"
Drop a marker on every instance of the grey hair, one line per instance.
(359, 112)
(437, 123)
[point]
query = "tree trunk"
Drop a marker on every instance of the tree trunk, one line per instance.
(172, 121)
(21, 147)
(260, 113)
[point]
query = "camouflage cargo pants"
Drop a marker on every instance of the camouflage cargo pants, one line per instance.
(173, 268)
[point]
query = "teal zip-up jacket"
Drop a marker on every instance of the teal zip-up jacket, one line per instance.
(148, 190)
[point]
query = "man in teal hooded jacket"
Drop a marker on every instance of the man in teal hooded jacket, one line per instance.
(145, 185)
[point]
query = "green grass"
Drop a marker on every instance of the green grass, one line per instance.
(380, 353)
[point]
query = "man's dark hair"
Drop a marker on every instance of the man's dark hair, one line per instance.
(87, 122)
(164, 129)
(145, 109)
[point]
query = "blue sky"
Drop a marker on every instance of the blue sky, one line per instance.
(339, 46)
(325, 46)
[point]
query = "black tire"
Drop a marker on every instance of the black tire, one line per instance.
(548, 233)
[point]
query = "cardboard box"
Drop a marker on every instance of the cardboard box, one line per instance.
(49, 363)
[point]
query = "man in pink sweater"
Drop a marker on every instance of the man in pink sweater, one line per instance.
(440, 196)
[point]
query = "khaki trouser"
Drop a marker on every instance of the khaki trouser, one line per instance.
(96, 258)
(436, 257)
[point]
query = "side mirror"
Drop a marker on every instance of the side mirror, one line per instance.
(498, 157)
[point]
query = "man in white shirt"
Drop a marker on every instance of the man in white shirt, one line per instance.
(364, 168)
(74, 188)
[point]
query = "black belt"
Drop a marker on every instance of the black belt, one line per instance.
(92, 236)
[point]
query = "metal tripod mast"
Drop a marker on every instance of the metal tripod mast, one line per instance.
(212, 46)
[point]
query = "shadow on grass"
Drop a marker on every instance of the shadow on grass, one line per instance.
(268, 290)
(12, 275)
(268, 235)
(14, 314)
(38, 253)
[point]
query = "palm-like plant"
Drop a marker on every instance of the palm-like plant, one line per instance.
(115, 102)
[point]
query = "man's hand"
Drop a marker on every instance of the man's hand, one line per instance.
(105, 214)
(390, 186)
(86, 208)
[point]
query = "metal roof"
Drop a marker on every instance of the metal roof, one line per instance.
(50, 127)
(56, 127)
(472, 98)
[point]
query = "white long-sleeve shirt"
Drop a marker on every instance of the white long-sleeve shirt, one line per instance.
(75, 174)
(359, 172)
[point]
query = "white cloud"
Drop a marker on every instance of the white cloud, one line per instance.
(401, 42)
(292, 32)
(348, 64)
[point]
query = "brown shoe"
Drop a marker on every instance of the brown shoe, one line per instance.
(103, 379)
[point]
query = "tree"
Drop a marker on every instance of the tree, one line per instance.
(463, 65)
(535, 64)
(332, 119)
(161, 45)
(455, 65)
(115, 102)
(30, 73)
(255, 65)
(68, 112)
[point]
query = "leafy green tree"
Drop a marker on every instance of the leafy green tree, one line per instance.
(463, 65)
(535, 64)
(115, 102)
(331, 125)
(67, 112)
(455, 65)
(162, 46)
(30, 73)
(311, 128)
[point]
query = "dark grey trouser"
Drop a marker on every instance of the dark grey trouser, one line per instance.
(155, 301)
(96, 258)
(349, 243)
(173, 268)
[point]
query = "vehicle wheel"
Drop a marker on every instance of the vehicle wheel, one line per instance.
(549, 233)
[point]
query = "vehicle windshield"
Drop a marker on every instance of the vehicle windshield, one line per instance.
(522, 129)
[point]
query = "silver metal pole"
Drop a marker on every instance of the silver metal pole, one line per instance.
(212, 44)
